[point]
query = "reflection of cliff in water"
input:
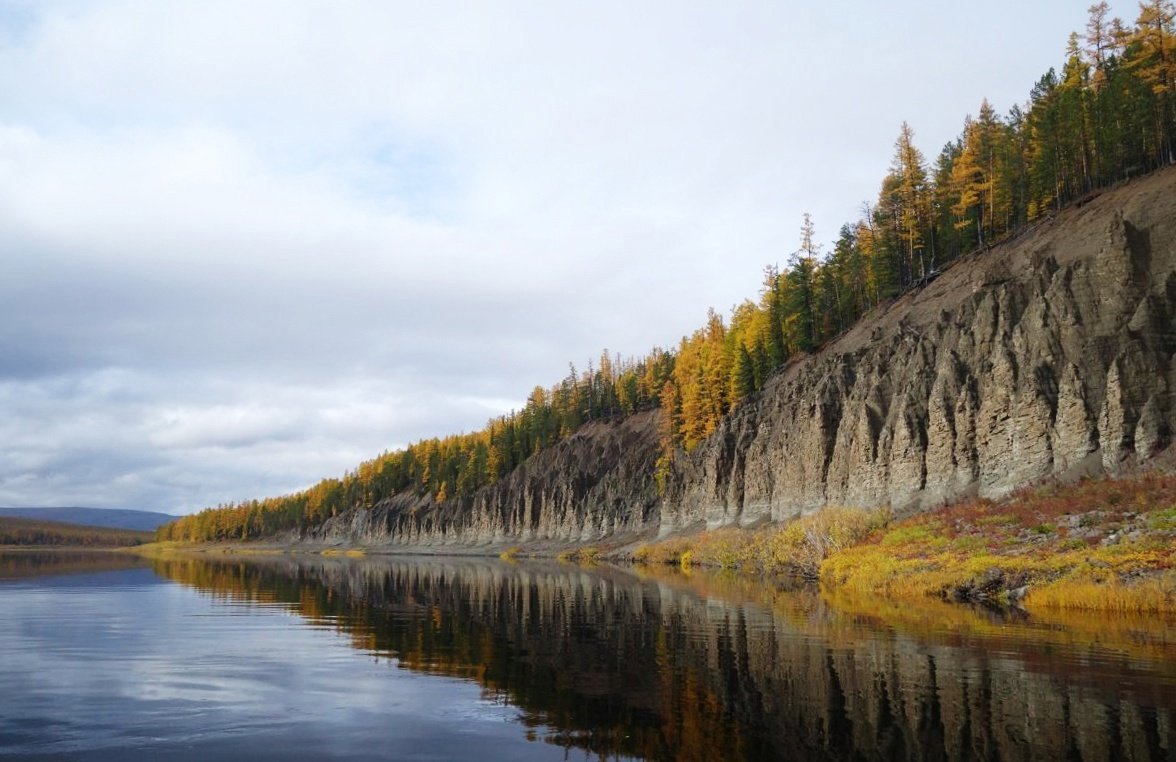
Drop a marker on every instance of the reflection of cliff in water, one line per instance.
(671, 669)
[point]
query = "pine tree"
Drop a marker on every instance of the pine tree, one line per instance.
(772, 302)
(742, 376)
(802, 277)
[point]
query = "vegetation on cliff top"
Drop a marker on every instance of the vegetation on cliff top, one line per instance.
(1109, 113)
(1106, 544)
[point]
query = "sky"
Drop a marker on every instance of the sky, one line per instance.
(248, 245)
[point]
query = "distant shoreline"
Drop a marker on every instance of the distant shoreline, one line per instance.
(68, 548)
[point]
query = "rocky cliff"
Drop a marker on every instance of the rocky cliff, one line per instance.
(597, 483)
(1048, 355)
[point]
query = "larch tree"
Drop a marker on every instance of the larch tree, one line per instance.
(910, 200)
(974, 172)
(1154, 41)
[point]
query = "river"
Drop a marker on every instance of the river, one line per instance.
(111, 657)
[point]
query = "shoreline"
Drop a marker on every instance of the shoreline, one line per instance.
(1097, 545)
(68, 548)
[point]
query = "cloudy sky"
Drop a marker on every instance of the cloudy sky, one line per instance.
(248, 244)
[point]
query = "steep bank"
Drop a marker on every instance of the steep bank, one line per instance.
(596, 484)
(1049, 355)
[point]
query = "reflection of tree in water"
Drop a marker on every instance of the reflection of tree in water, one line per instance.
(32, 563)
(617, 665)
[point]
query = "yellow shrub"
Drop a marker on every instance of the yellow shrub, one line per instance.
(1150, 594)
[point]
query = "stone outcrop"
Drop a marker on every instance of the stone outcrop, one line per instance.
(1050, 355)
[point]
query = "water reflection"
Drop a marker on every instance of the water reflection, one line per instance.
(665, 667)
(35, 563)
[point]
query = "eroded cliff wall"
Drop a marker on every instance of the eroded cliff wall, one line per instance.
(595, 484)
(1049, 355)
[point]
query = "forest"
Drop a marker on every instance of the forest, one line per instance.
(1107, 115)
(35, 532)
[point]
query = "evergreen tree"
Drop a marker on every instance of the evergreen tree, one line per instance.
(801, 304)
(742, 376)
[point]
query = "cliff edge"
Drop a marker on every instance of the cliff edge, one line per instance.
(1049, 355)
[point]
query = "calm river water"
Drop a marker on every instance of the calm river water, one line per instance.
(107, 657)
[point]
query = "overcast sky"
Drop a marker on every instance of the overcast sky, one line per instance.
(245, 245)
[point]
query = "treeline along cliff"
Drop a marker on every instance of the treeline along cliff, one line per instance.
(998, 316)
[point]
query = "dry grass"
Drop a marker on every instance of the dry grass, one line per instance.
(1150, 594)
(662, 552)
(1102, 544)
(835, 614)
(164, 547)
(796, 547)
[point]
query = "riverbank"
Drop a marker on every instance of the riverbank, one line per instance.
(1101, 544)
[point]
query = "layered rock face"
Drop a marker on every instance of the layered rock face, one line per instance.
(1049, 355)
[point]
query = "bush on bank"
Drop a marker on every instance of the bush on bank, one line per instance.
(1101, 544)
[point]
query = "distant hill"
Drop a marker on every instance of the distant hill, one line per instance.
(16, 530)
(113, 518)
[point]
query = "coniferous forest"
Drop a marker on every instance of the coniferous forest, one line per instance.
(1106, 115)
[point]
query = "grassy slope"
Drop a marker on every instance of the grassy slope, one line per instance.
(1101, 544)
